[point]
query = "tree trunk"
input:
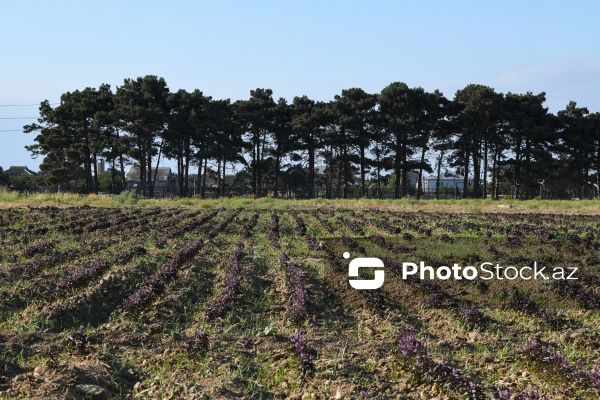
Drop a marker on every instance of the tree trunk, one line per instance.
(157, 164)
(485, 167)
(397, 159)
(224, 174)
(218, 188)
(276, 183)
(186, 167)
(517, 168)
(340, 166)
(113, 182)
(311, 170)
(419, 182)
(88, 173)
(362, 170)
(527, 168)
(378, 174)
(404, 167)
(204, 178)
(597, 188)
(180, 165)
(198, 181)
(346, 172)
(494, 177)
(466, 172)
(122, 165)
(261, 164)
(95, 159)
(439, 173)
(329, 182)
(143, 175)
(476, 168)
(149, 171)
(254, 163)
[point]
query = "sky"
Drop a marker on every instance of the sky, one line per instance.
(314, 48)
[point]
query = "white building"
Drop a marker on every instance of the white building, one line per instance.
(447, 180)
(164, 178)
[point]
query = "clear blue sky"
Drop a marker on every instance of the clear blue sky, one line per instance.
(317, 48)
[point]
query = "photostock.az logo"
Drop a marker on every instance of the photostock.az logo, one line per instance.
(365, 262)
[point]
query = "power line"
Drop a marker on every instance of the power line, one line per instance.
(11, 130)
(24, 105)
(18, 117)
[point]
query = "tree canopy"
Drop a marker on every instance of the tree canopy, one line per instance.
(351, 145)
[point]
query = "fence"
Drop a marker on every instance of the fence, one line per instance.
(549, 192)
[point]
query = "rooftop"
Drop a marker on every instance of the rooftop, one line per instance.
(16, 171)
(162, 173)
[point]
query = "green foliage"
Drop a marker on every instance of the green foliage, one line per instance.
(24, 182)
(126, 197)
(8, 195)
(358, 136)
(411, 191)
(105, 180)
(4, 179)
(255, 115)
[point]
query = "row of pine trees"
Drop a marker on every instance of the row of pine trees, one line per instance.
(492, 137)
